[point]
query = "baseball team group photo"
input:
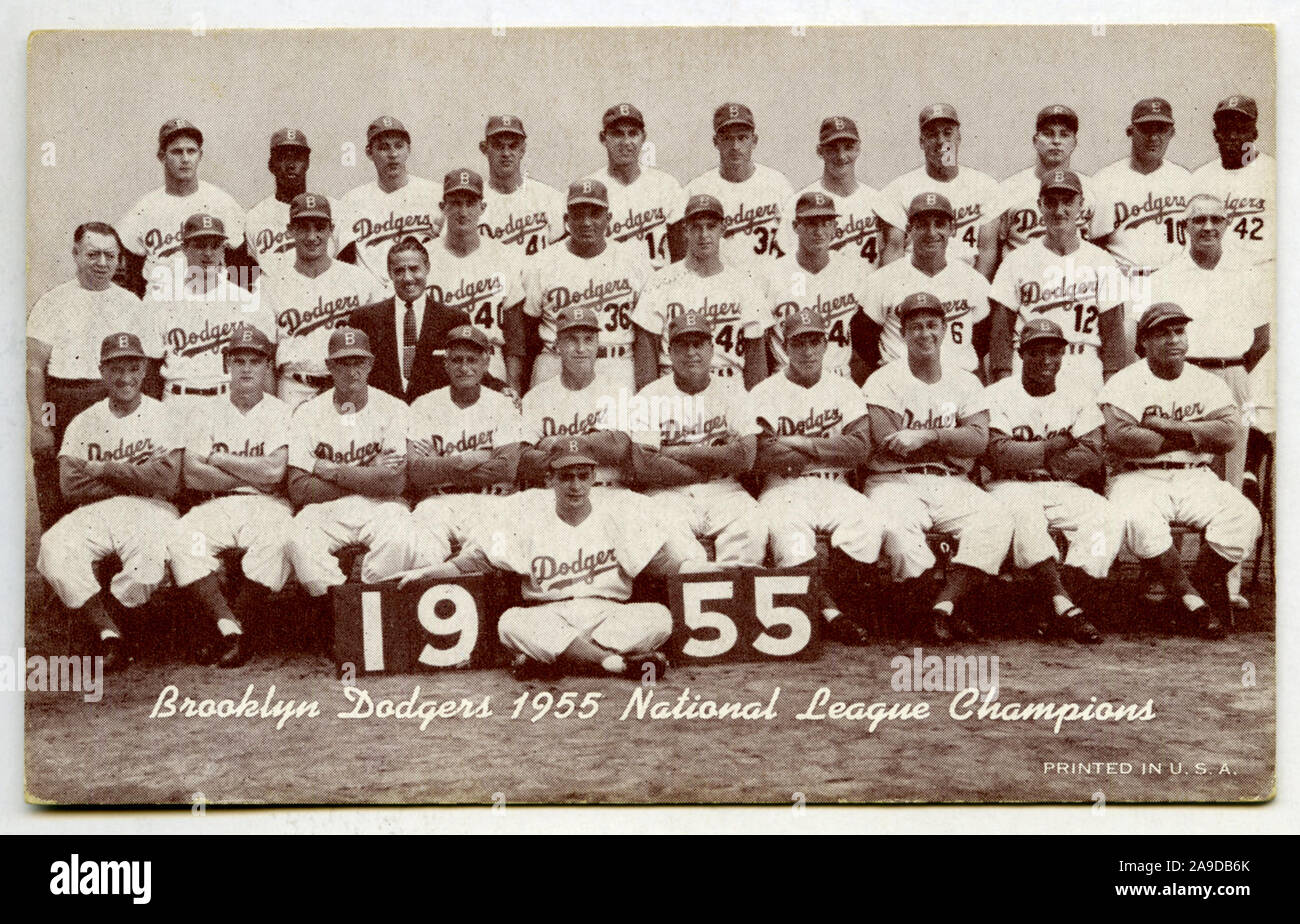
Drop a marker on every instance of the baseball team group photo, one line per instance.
(651, 415)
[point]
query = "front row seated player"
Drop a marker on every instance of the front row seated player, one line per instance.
(577, 553)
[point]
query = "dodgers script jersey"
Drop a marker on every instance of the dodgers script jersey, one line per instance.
(731, 300)
(222, 427)
(752, 212)
(1250, 194)
(1022, 416)
(1194, 395)
(196, 327)
(607, 284)
(530, 218)
(641, 211)
(974, 196)
(266, 231)
(961, 290)
(550, 409)
(73, 322)
(318, 430)
(836, 292)
(783, 408)
(924, 406)
(152, 227)
(860, 227)
(483, 284)
(1142, 213)
(375, 220)
(98, 435)
(1020, 220)
(489, 423)
(307, 308)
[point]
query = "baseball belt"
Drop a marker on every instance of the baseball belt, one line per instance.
(929, 468)
(186, 390)
(613, 351)
(1217, 363)
(1033, 476)
(312, 381)
(1164, 466)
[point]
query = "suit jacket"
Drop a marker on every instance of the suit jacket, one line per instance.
(379, 322)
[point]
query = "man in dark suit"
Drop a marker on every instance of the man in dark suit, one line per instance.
(408, 332)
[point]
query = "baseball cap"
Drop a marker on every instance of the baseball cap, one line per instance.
(1057, 113)
(1160, 314)
(701, 203)
(919, 302)
(1061, 179)
(732, 114)
(622, 112)
(930, 202)
(468, 333)
(116, 346)
(936, 112)
(173, 127)
(309, 205)
(385, 124)
(814, 205)
(801, 322)
(201, 225)
(507, 124)
(348, 341)
(1153, 109)
(837, 127)
(592, 191)
(1040, 329)
(289, 138)
(570, 450)
(689, 322)
(1242, 104)
(576, 316)
(251, 338)
(462, 179)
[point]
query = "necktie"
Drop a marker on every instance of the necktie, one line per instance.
(408, 341)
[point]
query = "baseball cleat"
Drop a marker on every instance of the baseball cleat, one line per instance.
(847, 632)
(1240, 603)
(636, 664)
(526, 668)
(113, 651)
(939, 628)
(236, 650)
(1079, 628)
(963, 629)
(1208, 624)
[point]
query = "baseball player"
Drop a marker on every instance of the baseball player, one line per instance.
(198, 316)
(929, 425)
(751, 194)
(695, 437)
(592, 273)
(813, 434)
(517, 209)
(877, 331)
(1141, 198)
(462, 449)
(119, 467)
(64, 333)
(1016, 216)
(1166, 420)
(151, 229)
(375, 216)
(347, 472)
(643, 201)
(578, 552)
(235, 461)
(266, 230)
(1067, 280)
(477, 274)
(1245, 178)
(311, 299)
(1045, 451)
(727, 297)
(865, 220)
(973, 194)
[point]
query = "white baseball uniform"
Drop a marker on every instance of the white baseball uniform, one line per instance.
(248, 519)
(270, 242)
(961, 290)
(136, 529)
(752, 212)
(531, 217)
(820, 497)
(1038, 501)
(483, 284)
(550, 409)
(922, 498)
(376, 220)
(1152, 498)
(837, 291)
(973, 195)
(719, 508)
(1072, 290)
(859, 228)
(152, 227)
(641, 211)
(1250, 194)
(1020, 220)
(1142, 213)
(731, 300)
(319, 431)
(74, 321)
